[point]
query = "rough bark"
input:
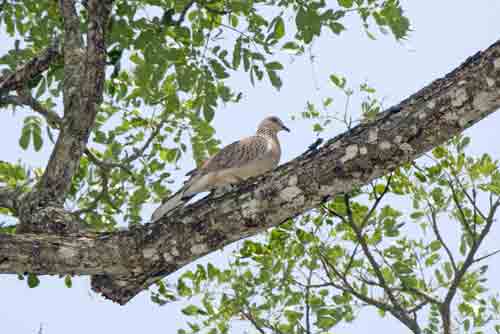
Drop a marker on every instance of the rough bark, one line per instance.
(30, 70)
(84, 75)
(126, 262)
(7, 198)
(83, 87)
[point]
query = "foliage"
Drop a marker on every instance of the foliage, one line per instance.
(182, 55)
(169, 65)
(330, 113)
(358, 250)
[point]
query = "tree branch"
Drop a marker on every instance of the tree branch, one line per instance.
(347, 287)
(376, 203)
(129, 261)
(184, 11)
(8, 198)
(30, 70)
(437, 234)
(469, 260)
(484, 257)
(24, 99)
(249, 317)
(308, 303)
(423, 295)
(123, 164)
(84, 75)
(456, 200)
(396, 309)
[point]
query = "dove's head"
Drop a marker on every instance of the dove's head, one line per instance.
(273, 124)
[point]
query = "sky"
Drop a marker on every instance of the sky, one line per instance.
(444, 34)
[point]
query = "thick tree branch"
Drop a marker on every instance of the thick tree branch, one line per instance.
(469, 261)
(84, 74)
(127, 262)
(72, 34)
(30, 70)
(8, 197)
(66, 153)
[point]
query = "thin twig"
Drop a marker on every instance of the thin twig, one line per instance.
(131, 158)
(377, 202)
(184, 11)
(479, 259)
(437, 233)
(252, 320)
(460, 210)
(24, 99)
(308, 307)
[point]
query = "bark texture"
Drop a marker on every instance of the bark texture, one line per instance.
(84, 75)
(126, 262)
(30, 70)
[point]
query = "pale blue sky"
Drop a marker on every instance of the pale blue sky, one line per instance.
(445, 33)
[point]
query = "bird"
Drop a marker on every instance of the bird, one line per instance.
(248, 157)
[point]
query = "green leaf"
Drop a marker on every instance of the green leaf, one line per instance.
(274, 65)
(466, 325)
(37, 137)
(448, 269)
(440, 152)
(169, 154)
(326, 322)
(293, 46)
(31, 130)
(464, 143)
(234, 21)
(293, 316)
(67, 281)
(279, 28)
(33, 280)
(392, 14)
(212, 271)
(182, 289)
(275, 79)
(219, 70)
(417, 215)
(42, 88)
(338, 81)
(435, 245)
(431, 260)
(346, 3)
(24, 141)
(438, 196)
(208, 113)
(336, 27)
(237, 54)
(193, 310)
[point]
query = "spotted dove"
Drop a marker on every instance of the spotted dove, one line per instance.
(236, 162)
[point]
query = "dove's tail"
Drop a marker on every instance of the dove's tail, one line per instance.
(174, 201)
